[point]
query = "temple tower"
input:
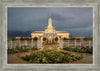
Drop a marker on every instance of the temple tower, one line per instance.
(49, 20)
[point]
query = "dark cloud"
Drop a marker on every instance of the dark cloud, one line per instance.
(75, 20)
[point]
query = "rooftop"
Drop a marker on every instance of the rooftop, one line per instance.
(62, 32)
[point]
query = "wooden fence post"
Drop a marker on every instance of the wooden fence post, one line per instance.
(39, 44)
(68, 43)
(19, 44)
(11, 44)
(32, 43)
(80, 43)
(89, 44)
(61, 44)
(25, 43)
(16, 43)
(75, 43)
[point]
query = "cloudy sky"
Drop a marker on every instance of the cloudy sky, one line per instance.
(76, 20)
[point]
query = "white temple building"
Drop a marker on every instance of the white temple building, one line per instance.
(50, 32)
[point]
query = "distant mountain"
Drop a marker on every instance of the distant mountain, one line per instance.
(13, 34)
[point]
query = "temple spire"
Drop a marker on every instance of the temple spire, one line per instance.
(49, 20)
(49, 14)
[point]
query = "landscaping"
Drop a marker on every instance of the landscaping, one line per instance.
(50, 53)
(79, 49)
(51, 56)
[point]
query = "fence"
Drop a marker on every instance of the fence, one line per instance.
(31, 43)
(78, 43)
(21, 44)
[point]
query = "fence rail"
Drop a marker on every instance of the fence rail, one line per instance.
(31, 43)
(78, 43)
(21, 44)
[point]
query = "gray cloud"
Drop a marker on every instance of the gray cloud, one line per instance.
(75, 20)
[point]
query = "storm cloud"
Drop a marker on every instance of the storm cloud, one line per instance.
(76, 20)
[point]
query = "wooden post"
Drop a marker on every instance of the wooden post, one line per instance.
(11, 44)
(32, 43)
(41, 40)
(80, 43)
(68, 43)
(89, 44)
(75, 43)
(16, 44)
(61, 43)
(39, 44)
(25, 43)
(19, 44)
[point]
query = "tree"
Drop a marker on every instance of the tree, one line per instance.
(72, 38)
(26, 38)
(78, 39)
(21, 39)
(44, 39)
(8, 39)
(56, 39)
(35, 38)
(87, 38)
(65, 38)
(13, 39)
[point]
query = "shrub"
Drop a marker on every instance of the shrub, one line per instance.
(56, 39)
(78, 39)
(44, 39)
(16, 50)
(88, 38)
(8, 39)
(24, 38)
(65, 38)
(48, 56)
(81, 50)
(34, 48)
(72, 38)
(35, 38)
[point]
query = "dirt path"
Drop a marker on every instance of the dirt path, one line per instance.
(16, 58)
(87, 58)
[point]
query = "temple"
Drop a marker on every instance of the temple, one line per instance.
(50, 32)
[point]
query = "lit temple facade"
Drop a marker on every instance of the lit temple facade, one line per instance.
(50, 32)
